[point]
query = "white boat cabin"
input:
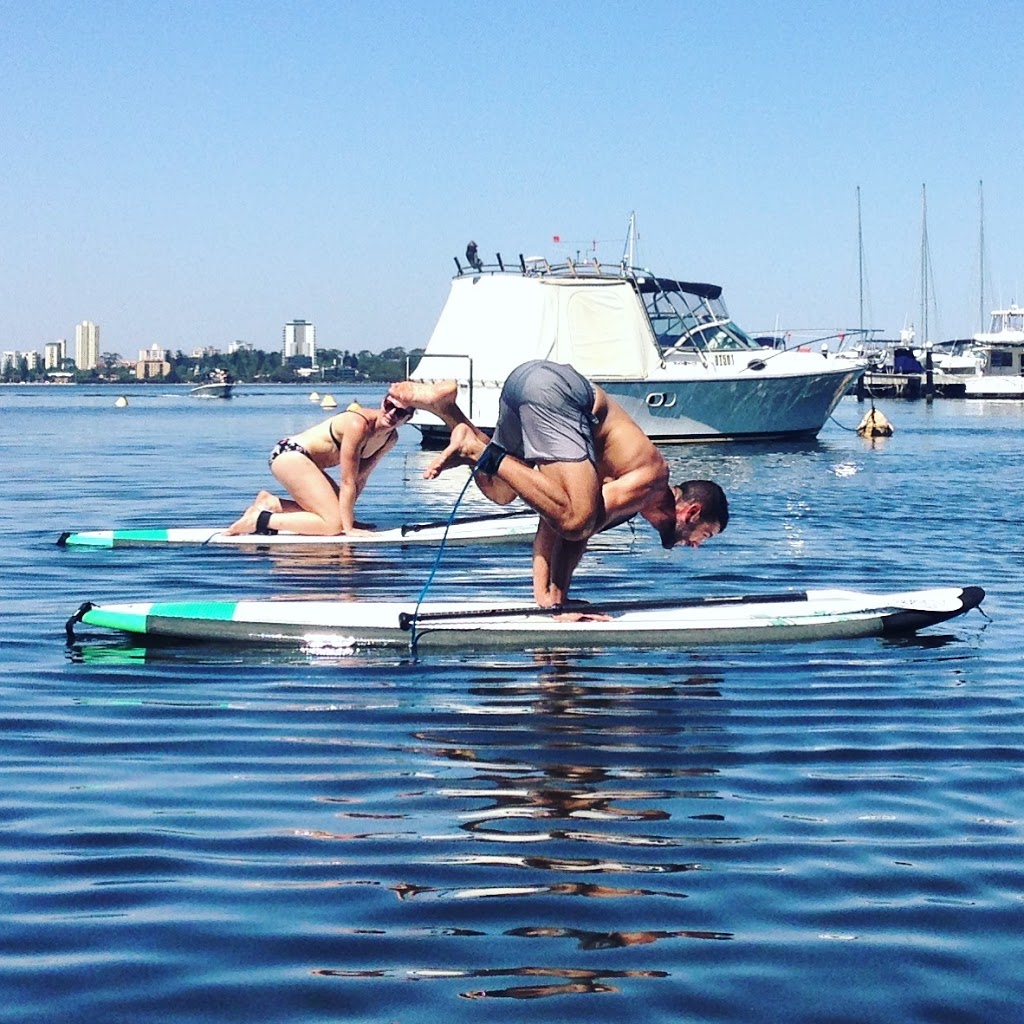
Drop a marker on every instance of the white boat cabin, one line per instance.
(1000, 356)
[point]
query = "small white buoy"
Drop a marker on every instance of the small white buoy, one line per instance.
(314, 396)
(121, 402)
(328, 402)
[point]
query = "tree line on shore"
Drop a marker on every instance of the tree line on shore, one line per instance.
(244, 366)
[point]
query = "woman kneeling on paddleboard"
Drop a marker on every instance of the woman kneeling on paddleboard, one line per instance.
(355, 441)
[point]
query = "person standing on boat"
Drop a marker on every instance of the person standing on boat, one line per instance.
(574, 455)
(355, 441)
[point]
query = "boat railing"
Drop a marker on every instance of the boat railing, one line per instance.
(541, 266)
(855, 343)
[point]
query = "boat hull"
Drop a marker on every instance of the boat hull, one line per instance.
(747, 407)
(992, 386)
(751, 407)
(812, 615)
(212, 391)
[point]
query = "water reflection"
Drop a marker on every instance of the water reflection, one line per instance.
(576, 981)
(546, 784)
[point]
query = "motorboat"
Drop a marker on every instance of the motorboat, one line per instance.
(218, 386)
(999, 353)
(666, 350)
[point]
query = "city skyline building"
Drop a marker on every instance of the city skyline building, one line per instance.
(299, 340)
(87, 345)
(152, 363)
(10, 360)
(54, 354)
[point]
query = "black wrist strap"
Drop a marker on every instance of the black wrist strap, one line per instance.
(263, 523)
(490, 459)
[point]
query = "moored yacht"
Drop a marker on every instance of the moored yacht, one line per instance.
(1000, 357)
(666, 350)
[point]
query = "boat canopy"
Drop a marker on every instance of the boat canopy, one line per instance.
(493, 322)
(666, 284)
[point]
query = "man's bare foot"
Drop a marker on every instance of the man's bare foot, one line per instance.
(436, 398)
(464, 448)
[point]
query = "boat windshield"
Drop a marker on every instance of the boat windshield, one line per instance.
(684, 321)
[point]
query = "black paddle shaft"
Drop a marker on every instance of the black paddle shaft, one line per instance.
(492, 518)
(407, 620)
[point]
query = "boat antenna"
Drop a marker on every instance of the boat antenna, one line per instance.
(629, 249)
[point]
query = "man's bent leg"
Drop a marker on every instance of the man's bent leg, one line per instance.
(566, 494)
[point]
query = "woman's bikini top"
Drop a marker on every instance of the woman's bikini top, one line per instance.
(330, 425)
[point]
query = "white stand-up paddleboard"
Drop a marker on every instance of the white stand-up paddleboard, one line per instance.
(810, 615)
(492, 529)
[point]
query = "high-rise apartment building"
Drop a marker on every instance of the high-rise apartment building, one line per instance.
(299, 340)
(54, 354)
(87, 345)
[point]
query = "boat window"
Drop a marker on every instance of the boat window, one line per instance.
(1000, 357)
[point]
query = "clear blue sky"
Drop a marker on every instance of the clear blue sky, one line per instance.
(190, 173)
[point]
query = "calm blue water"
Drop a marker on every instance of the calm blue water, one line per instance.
(804, 833)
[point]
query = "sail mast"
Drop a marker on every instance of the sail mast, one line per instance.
(860, 264)
(981, 257)
(924, 266)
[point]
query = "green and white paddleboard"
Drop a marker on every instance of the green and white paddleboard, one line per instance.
(496, 529)
(810, 615)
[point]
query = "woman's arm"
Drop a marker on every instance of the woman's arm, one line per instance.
(369, 464)
(349, 470)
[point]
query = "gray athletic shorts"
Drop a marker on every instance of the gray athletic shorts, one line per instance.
(546, 414)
